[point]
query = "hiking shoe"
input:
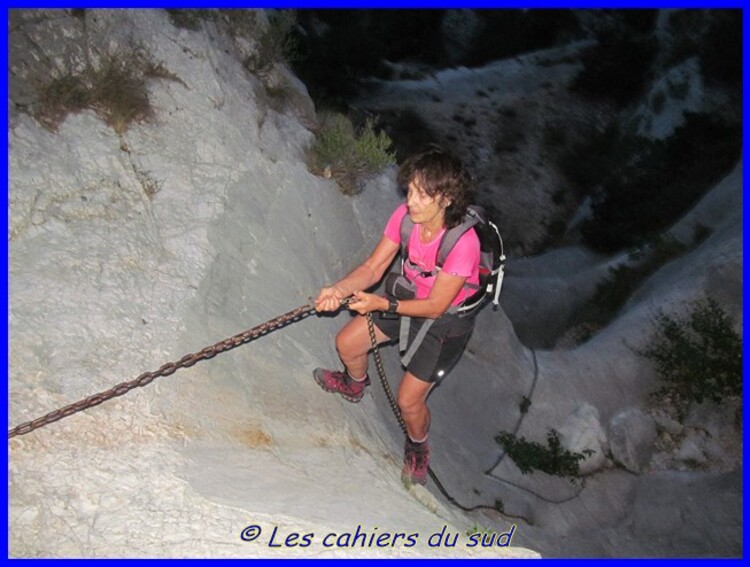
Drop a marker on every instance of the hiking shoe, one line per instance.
(341, 383)
(416, 462)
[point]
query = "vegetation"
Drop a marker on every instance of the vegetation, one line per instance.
(149, 184)
(613, 292)
(188, 18)
(239, 22)
(347, 154)
(551, 459)
(275, 44)
(476, 529)
(62, 95)
(116, 91)
(641, 186)
(698, 355)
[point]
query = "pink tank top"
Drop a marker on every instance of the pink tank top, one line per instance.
(462, 261)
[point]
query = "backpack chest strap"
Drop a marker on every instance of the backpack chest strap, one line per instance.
(447, 242)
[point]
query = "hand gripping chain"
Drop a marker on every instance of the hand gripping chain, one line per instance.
(222, 346)
(165, 370)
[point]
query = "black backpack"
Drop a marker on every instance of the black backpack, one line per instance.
(491, 256)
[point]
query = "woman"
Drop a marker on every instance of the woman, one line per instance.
(439, 189)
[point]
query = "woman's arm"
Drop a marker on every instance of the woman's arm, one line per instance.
(441, 296)
(362, 277)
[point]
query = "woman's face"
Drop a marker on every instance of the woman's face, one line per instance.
(424, 209)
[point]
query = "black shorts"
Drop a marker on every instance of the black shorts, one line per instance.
(442, 345)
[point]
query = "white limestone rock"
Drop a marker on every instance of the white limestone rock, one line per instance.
(691, 452)
(632, 437)
(108, 280)
(582, 431)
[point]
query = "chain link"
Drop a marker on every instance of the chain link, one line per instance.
(498, 506)
(381, 374)
(222, 346)
(165, 370)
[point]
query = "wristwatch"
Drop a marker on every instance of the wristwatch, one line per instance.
(392, 306)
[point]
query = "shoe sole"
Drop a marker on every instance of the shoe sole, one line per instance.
(408, 480)
(348, 398)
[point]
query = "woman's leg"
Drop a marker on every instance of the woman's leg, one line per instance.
(412, 400)
(353, 343)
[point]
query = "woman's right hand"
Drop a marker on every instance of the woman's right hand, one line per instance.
(329, 298)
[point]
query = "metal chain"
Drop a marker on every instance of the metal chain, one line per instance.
(498, 507)
(166, 369)
(381, 374)
(228, 344)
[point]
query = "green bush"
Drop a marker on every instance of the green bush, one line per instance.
(372, 149)
(347, 154)
(335, 140)
(476, 529)
(551, 459)
(698, 355)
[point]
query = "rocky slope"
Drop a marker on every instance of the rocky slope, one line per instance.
(111, 276)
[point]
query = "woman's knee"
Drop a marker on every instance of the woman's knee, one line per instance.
(410, 400)
(349, 342)
(409, 405)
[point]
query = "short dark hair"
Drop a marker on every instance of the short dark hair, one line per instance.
(440, 174)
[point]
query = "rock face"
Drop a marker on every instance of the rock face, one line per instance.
(678, 91)
(477, 112)
(632, 436)
(582, 431)
(130, 249)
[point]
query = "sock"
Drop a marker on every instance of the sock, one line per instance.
(424, 439)
(357, 379)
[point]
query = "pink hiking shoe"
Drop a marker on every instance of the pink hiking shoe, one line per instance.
(416, 462)
(341, 383)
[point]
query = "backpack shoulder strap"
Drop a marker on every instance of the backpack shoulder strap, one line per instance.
(450, 237)
(406, 227)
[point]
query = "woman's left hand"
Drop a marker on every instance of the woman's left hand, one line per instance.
(364, 303)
